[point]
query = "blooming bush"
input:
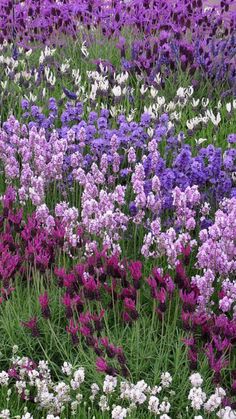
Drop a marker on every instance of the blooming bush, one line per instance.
(117, 209)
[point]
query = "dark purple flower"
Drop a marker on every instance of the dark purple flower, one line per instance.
(72, 329)
(69, 94)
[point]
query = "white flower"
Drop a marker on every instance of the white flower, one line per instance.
(103, 403)
(180, 92)
(143, 89)
(15, 349)
(27, 416)
(165, 416)
(94, 390)
(150, 131)
(153, 92)
(121, 78)
(116, 90)
(158, 78)
(78, 378)
(153, 405)
(197, 397)
(4, 378)
(195, 102)
(190, 124)
(62, 390)
(74, 405)
(214, 119)
(205, 102)
(5, 414)
(66, 368)
(84, 50)
(118, 412)
(198, 417)
(166, 379)
(161, 100)
(200, 141)
(164, 407)
(4, 84)
(52, 417)
(28, 53)
(190, 91)
(20, 385)
(196, 380)
(156, 390)
(228, 107)
(226, 413)
(109, 384)
(213, 403)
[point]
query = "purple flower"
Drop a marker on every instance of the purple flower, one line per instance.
(69, 94)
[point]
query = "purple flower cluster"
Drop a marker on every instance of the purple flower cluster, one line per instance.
(160, 31)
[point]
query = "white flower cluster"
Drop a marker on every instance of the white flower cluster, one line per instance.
(117, 398)
(55, 398)
(97, 86)
(200, 402)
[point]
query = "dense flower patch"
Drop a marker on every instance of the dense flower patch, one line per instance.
(162, 31)
(117, 209)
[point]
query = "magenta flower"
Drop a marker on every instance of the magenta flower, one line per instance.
(189, 300)
(128, 293)
(217, 363)
(135, 269)
(153, 285)
(130, 307)
(161, 295)
(109, 347)
(32, 325)
(16, 218)
(44, 304)
(233, 388)
(12, 373)
(8, 200)
(79, 271)
(193, 358)
(189, 341)
(221, 344)
(60, 274)
(181, 277)
(67, 301)
(101, 365)
(72, 329)
(85, 331)
(85, 318)
(120, 355)
(91, 288)
(126, 317)
(98, 321)
(186, 254)
(78, 303)
(69, 281)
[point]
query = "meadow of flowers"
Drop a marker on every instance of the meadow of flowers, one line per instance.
(117, 209)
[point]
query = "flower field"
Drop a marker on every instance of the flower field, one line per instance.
(117, 209)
